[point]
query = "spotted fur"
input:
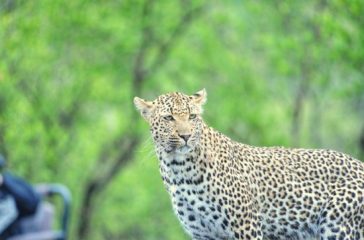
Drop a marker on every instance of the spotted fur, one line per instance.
(222, 189)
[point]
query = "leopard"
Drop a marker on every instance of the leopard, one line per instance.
(222, 189)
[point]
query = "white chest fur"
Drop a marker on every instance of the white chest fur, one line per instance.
(200, 214)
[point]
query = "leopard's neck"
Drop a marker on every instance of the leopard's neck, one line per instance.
(178, 168)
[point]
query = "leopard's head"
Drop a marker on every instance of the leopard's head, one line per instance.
(175, 120)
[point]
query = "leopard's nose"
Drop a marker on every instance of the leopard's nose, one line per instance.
(185, 137)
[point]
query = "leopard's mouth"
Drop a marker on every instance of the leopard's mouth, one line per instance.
(177, 145)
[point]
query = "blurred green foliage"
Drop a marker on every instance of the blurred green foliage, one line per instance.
(277, 73)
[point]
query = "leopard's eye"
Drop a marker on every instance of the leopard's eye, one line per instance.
(168, 118)
(192, 116)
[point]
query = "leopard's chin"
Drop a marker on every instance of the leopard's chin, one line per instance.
(184, 149)
(181, 150)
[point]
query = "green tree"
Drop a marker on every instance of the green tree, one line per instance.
(276, 72)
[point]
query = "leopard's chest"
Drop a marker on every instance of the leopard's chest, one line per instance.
(194, 203)
(199, 212)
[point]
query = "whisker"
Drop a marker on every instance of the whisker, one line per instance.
(147, 149)
(146, 144)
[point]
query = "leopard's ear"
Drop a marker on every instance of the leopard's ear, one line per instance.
(145, 107)
(200, 97)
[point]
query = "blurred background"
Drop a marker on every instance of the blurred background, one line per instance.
(288, 73)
